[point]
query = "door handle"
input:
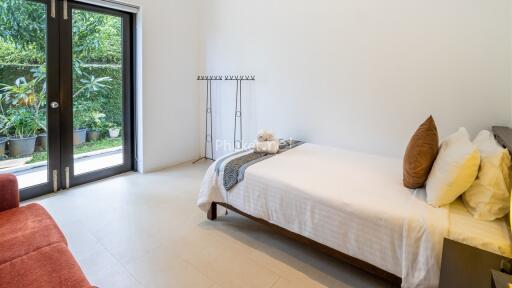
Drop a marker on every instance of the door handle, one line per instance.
(54, 105)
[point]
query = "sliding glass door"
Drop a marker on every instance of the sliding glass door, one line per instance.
(66, 108)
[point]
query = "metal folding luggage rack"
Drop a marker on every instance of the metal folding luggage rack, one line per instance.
(238, 129)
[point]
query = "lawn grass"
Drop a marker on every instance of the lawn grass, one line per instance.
(38, 157)
(83, 148)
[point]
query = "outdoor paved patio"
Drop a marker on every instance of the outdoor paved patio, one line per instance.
(84, 163)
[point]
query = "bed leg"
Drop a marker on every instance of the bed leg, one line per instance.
(212, 212)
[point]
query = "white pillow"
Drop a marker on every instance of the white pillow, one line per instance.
(489, 197)
(487, 144)
(454, 170)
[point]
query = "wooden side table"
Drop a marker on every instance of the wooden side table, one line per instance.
(500, 279)
(466, 266)
(503, 136)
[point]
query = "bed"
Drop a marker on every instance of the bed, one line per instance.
(350, 205)
(492, 236)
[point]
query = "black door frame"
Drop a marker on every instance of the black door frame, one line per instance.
(59, 79)
(66, 80)
(52, 80)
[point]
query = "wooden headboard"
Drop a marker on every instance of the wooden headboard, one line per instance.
(503, 136)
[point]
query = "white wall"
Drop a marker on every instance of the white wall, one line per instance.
(360, 74)
(167, 99)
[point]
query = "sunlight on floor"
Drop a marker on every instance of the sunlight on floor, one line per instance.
(83, 165)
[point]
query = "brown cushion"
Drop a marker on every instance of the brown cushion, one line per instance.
(52, 266)
(421, 154)
(26, 229)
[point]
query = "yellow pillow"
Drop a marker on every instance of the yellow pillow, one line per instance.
(454, 170)
(489, 197)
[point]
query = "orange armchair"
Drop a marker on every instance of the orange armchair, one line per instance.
(9, 193)
(33, 250)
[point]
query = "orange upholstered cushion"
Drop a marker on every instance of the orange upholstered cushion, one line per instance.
(49, 267)
(26, 229)
(421, 154)
(9, 194)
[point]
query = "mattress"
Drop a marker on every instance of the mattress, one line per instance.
(492, 236)
(352, 202)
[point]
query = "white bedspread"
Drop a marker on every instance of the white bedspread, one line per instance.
(493, 236)
(352, 202)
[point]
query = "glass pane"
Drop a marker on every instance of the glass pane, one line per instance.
(97, 91)
(23, 107)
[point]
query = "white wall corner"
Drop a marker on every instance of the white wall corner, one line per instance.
(139, 103)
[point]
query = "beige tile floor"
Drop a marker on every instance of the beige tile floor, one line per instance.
(138, 230)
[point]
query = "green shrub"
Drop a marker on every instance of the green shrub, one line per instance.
(21, 123)
(10, 72)
(9, 54)
(23, 25)
(97, 99)
(109, 101)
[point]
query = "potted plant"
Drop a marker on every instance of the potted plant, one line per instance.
(41, 142)
(83, 103)
(24, 101)
(3, 138)
(3, 142)
(95, 125)
(80, 121)
(80, 132)
(93, 135)
(113, 130)
(42, 137)
(22, 127)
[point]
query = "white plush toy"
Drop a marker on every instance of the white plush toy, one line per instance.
(265, 135)
(267, 142)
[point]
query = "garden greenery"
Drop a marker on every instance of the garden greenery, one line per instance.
(97, 77)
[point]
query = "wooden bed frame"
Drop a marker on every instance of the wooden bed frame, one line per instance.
(391, 278)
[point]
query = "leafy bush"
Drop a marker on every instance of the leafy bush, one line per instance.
(96, 121)
(23, 112)
(88, 100)
(110, 101)
(9, 54)
(97, 76)
(23, 23)
(10, 72)
(21, 123)
(96, 36)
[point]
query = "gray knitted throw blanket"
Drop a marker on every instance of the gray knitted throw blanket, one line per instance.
(234, 170)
